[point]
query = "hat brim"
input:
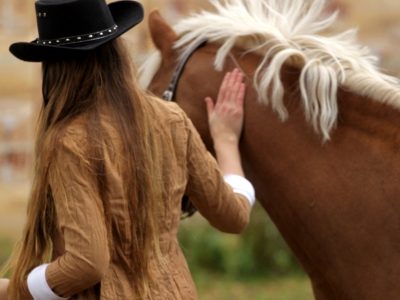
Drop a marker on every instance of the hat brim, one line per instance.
(126, 14)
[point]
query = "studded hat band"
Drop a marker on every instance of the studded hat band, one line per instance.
(79, 38)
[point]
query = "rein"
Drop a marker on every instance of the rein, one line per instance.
(170, 92)
(187, 207)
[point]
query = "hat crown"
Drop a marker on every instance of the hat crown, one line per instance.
(65, 18)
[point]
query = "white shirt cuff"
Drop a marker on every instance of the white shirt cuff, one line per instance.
(241, 185)
(38, 286)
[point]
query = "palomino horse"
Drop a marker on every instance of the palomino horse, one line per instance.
(324, 153)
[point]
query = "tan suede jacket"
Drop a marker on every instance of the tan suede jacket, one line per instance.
(83, 264)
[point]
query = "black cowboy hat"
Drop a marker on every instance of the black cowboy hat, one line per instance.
(70, 27)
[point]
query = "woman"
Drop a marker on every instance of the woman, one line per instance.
(112, 165)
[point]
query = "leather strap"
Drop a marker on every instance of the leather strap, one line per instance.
(170, 92)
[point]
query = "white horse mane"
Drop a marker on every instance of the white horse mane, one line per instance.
(287, 31)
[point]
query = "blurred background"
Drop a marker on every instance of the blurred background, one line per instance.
(255, 265)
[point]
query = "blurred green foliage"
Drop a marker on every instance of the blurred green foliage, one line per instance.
(259, 251)
(6, 246)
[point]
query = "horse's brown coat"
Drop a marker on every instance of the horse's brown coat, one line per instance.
(336, 204)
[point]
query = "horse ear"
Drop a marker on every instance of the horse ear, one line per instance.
(162, 34)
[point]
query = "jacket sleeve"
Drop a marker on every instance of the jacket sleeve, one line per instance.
(81, 220)
(208, 191)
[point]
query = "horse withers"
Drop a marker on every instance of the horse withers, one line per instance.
(321, 137)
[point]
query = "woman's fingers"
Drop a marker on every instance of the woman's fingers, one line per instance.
(228, 83)
(234, 95)
(241, 94)
(231, 93)
(224, 89)
(234, 91)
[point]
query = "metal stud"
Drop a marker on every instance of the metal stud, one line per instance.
(78, 38)
(44, 15)
(91, 35)
(101, 33)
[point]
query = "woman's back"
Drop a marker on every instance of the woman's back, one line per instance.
(185, 166)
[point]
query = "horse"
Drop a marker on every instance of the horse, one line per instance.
(321, 136)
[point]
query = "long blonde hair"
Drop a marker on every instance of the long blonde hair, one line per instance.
(80, 86)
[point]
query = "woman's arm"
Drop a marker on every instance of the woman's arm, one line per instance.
(226, 122)
(81, 222)
(218, 190)
(226, 118)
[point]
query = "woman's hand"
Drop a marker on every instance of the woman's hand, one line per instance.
(226, 115)
(4, 288)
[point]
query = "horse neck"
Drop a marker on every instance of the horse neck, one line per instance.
(365, 120)
(370, 117)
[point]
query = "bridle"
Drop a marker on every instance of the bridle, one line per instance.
(170, 92)
(169, 95)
